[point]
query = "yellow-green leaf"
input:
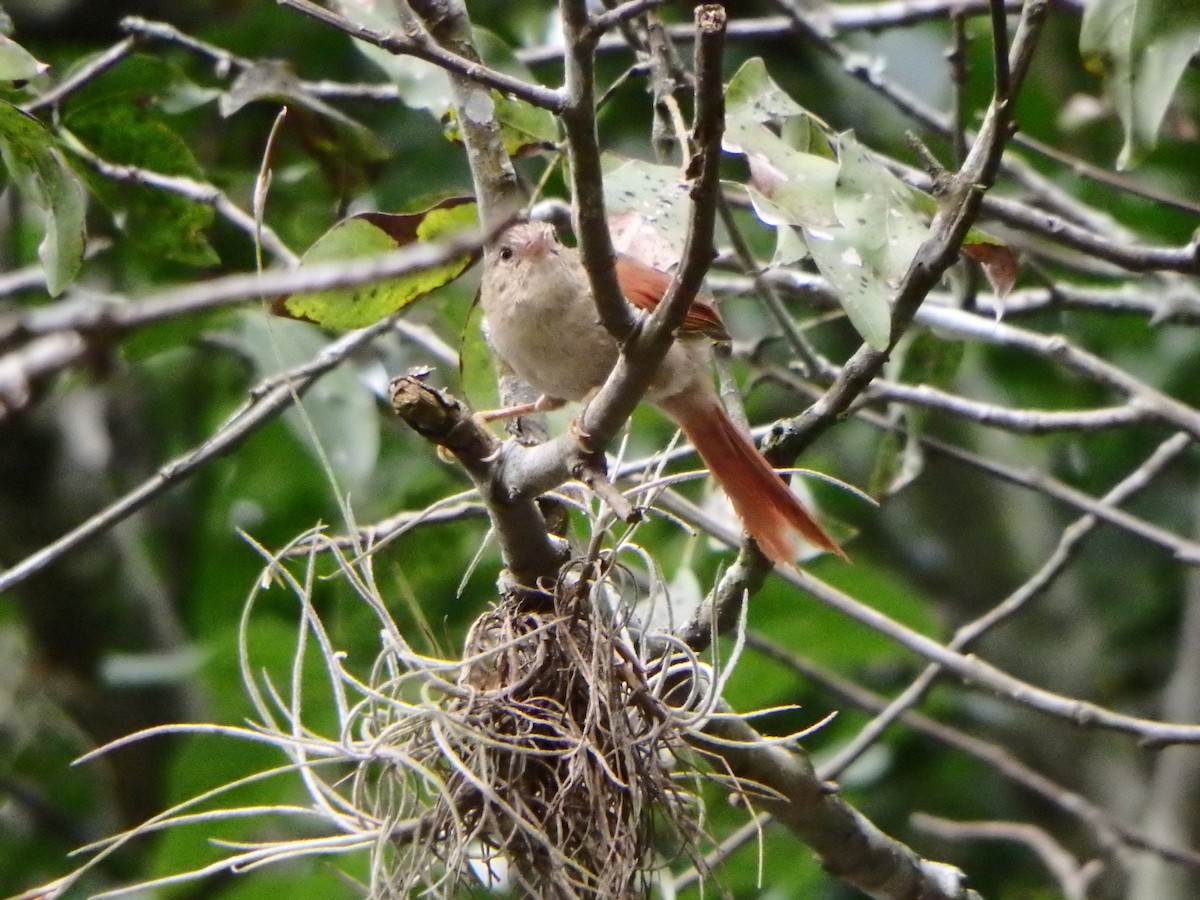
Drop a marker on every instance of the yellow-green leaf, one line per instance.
(369, 234)
(524, 128)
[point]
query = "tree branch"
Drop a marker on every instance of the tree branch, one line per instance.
(956, 211)
(267, 399)
(849, 845)
(419, 43)
(537, 469)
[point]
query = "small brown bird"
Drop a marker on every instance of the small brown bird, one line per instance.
(542, 321)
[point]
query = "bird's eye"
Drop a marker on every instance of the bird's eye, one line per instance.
(505, 253)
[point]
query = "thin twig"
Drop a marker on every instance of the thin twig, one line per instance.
(92, 69)
(1073, 879)
(267, 400)
(1069, 545)
(417, 43)
(1110, 832)
(196, 191)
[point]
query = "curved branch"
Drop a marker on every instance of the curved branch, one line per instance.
(849, 845)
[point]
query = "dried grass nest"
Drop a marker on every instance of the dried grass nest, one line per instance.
(557, 762)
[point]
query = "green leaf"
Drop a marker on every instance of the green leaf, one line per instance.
(753, 98)
(799, 185)
(347, 152)
(860, 222)
(147, 80)
(524, 128)
(340, 409)
(879, 210)
(40, 173)
(862, 225)
(368, 234)
(861, 292)
(647, 204)
(1141, 49)
(753, 95)
(17, 63)
(122, 131)
(477, 363)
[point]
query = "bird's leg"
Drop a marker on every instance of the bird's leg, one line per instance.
(540, 405)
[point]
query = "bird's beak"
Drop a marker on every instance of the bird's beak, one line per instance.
(538, 246)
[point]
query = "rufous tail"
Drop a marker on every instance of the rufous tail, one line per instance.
(770, 512)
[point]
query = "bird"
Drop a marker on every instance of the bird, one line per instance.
(542, 322)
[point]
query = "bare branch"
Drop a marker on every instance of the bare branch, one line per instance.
(86, 73)
(25, 371)
(1111, 833)
(266, 400)
(1068, 546)
(1072, 877)
(587, 185)
(419, 43)
(836, 20)
(115, 316)
(848, 844)
(529, 554)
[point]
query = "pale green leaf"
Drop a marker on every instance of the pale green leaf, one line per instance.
(878, 210)
(799, 185)
(38, 170)
(651, 199)
(863, 295)
(17, 63)
(752, 94)
(1141, 49)
(339, 411)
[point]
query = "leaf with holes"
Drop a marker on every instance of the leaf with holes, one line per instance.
(648, 208)
(866, 222)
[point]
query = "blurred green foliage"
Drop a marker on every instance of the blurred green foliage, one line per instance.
(172, 580)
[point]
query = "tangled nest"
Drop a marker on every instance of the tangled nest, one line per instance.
(552, 761)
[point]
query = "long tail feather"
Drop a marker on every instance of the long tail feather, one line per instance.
(771, 513)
